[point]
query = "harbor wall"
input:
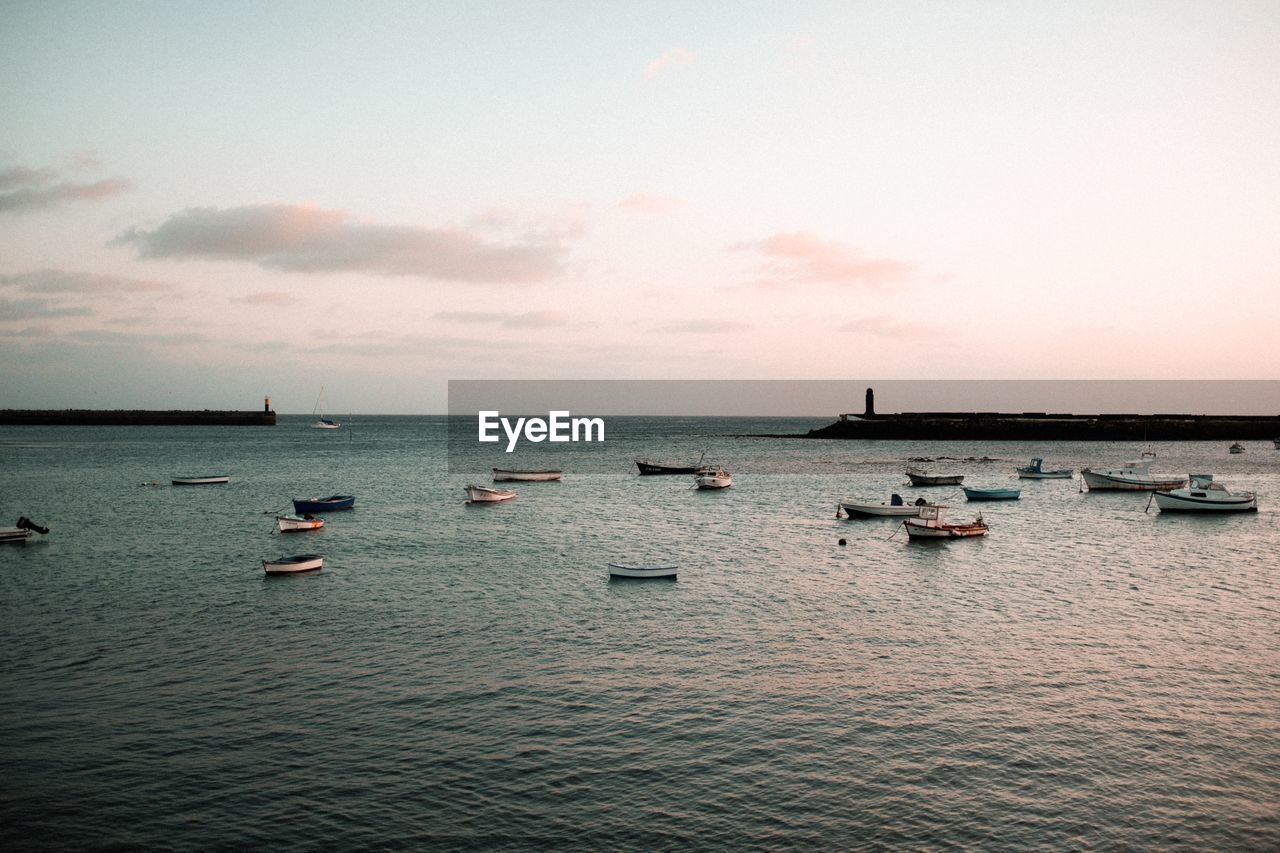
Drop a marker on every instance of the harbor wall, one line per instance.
(1038, 426)
(133, 417)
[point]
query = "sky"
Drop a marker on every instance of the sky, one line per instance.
(202, 204)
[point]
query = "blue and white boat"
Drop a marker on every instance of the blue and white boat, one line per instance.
(995, 494)
(333, 502)
(1036, 471)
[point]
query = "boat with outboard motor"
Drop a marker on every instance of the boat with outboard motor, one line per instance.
(895, 507)
(1204, 495)
(22, 532)
(1036, 471)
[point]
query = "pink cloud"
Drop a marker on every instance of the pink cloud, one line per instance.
(884, 326)
(671, 59)
(303, 238)
(82, 283)
(32, 189)
(801, 258)
(272, 297)
(651, 205)
(507, 319)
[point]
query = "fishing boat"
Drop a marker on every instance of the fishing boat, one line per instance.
(1133, 476)
(929, 524)
(713, 477)
(921, 477)
(502, 475)
(660, 570)
(1204, 495)
(1036, 471)
(293, 565)
(293, 523)
(648, 468)
(22, 532)
(302, 506)
(486, 495)
(895, 507)
(992, 494)
(321, 422)
(1236, 448)
(201, 481)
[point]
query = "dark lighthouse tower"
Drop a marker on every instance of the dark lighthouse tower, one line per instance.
(871, 404)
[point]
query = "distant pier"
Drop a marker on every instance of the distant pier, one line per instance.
(1046, 426)
(133, 417)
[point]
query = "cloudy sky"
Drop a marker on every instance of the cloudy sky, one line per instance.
(204, 203)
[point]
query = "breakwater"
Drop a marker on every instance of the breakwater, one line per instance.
(134, 417)
(1044, 426)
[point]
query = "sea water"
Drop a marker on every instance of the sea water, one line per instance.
(1092, 674)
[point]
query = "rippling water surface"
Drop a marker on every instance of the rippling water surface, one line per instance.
(1089, 675)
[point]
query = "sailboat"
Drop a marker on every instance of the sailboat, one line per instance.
(321, 421)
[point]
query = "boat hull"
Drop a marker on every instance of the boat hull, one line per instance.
(935, 480)
(648, 469)
(484, 495)
(200, 481)
(1174, 502)
(293, 524)
(710, 483)
(619, 570)
(917, 529)
(1062, 474)
(992, 494)
(329, 504)
(501, 475)
(1100, 481)
(14, 534)
(293, 565)
(879, 510)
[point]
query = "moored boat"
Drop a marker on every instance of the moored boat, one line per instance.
(293, 523)
(293, 565)
(929, 524)
(1133, 476)
(1036, 471)
(502, 475)
(657, 570)
(22, 532)
(302, 506)
(921, 477)
(713, 477)
(485, 495)
(993, 494)
(1204, 495)
(895, 507)
(1236, 448)
(321, 422)
(201, 481)
(651, 469)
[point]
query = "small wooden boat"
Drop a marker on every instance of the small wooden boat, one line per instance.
(713, 477)
(1036, 471)
(293, 523)
(920, 477)
(293, 565)
(503, 475)
(302, 506)
(650, 469)
(895, 507)
(660, 570)
(1236, 448)
(1133, 476)
(994, 494)
(929, 525)
(486, 495)
(22, 531)
(1204, 495)
(201, 481)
